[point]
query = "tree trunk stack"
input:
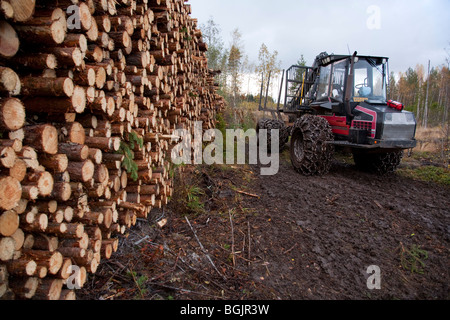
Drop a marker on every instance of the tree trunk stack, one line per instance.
(81, 82)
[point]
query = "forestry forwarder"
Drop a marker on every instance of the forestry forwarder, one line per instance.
(341, 102)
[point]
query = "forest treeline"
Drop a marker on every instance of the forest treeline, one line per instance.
(424, 90)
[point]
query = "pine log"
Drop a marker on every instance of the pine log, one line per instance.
(9, 40)
(9, 223)
(42, 179)
(54, 87)
(38, 224)
(7, 9)
(74, 151)
(74, 132)
(7, 157)
(48, 289)
(21, 267)
(51, 33)
(24, 288)
(19, 239)
(66, 269)
(67, 57)
(74, 230)
(62, 192)
(81, 171)
(82, 242)
(29, 155)
(7, 246)
(57, 162)
(51, 260)
(103, 143)
(67, 294)
(10, 192)
(9, 82)
(23, 9)
(43, 138)
(12, 114)
(76, 40)
(18, 170)
(77, 103)
(45, 242)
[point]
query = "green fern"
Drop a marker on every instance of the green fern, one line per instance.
(126, 149)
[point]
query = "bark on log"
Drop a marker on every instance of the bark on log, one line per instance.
(51, 260)
(48, 289)
(24, 288)
(7, 246)
(21, 267)
(53, 87)
(43, 138)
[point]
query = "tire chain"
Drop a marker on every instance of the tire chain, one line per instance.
(380, 163)
(271, 124)
(317, 154)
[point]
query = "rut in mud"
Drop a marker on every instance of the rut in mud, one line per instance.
(287, 237)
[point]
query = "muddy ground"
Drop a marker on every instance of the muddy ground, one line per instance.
(285, 237)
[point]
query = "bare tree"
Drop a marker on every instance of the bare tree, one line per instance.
(425, 111)
(268, 63)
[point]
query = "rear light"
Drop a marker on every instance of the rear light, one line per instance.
(396, 105)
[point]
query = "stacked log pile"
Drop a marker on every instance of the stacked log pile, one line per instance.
(81, 89)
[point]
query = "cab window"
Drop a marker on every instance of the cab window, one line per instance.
(323, 89)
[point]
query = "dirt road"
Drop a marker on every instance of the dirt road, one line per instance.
(310, 238)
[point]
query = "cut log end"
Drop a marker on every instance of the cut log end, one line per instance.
(79, 99)
(9, 41)
(43, 137)
(12, 114)
(7, 246)
(9, 223)
(9, 81)
(10, 193)
(23, 9)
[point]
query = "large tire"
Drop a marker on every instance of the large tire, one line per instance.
(379, 163)
(310, 152)
(270, 124)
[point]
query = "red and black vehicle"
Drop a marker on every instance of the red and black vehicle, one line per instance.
(341, 102)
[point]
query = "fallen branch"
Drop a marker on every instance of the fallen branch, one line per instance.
(249, 241)
(289, 250)
(248, 194)
(203, 249)
(232, 239)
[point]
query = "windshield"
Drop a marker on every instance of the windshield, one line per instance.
(370, 80)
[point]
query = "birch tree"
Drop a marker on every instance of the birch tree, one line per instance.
(268, 63)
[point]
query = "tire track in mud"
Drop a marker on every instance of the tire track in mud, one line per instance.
(321, 234)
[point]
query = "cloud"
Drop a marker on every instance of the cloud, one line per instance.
(410, 32)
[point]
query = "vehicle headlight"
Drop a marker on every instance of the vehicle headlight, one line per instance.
(410, 117)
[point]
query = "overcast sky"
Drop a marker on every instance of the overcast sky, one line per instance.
(408, 32)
